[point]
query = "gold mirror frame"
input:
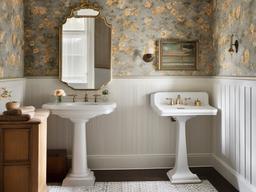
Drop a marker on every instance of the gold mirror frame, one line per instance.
(83, 5)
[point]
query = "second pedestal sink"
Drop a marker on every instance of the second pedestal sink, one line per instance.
(80, 113)
(160, 102)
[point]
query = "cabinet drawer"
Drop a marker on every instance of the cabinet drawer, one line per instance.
(16, 178)
(16, 144)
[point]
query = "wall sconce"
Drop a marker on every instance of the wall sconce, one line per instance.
(149, 53)
(233, 44)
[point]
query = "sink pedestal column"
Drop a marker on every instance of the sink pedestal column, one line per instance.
(79, 175)
(181, 173)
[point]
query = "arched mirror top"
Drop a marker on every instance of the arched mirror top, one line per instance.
(86, 10)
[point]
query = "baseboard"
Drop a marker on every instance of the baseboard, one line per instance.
(232, 176)
(144, 161)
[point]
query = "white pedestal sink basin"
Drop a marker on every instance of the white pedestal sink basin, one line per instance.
(80, 113)
(181, 173)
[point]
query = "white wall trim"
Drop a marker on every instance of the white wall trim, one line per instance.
(250, 78)
(146, 77)
(135, 77)
(232, 176)
(234, 78)
(144, 161)
(13, 79)
(163, 77)
(42, 77)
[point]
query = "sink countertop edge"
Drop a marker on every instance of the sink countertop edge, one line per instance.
(203, 112)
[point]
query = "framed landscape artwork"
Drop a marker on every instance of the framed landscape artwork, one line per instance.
(177, 55)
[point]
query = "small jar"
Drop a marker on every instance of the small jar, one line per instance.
(12, 105)
(198, 102)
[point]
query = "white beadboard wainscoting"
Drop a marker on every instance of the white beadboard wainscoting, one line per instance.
(133, 136)
(17, 88)
(234, 132)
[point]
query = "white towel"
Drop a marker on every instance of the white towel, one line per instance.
(27, 109)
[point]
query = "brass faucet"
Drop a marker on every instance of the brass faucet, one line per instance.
(73, 97)
(96, 97)
(85, 97)
(171, 101)
(178, 100)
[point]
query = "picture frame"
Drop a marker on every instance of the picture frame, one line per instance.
(176, 54)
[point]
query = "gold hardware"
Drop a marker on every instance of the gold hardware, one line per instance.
(198, 102)
(96, 97)
(73, 97)
(171, 101)
(178, 100)
(85, 97)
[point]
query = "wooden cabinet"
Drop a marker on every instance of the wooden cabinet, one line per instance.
(23, 155)
(16, 178)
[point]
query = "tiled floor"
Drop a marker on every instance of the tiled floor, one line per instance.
(139, 186)
(205, 173)
(104, 178)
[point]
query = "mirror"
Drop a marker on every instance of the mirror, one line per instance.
(85, 49)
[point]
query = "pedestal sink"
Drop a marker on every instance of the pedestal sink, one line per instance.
(80, 113)
(160, 102)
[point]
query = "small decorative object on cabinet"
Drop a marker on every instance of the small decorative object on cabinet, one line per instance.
(12, 105)
(23, 154)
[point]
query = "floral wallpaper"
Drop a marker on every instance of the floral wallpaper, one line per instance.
(11, 38)
(136, 26)
(235, 17)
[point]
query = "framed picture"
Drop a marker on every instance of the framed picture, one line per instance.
(177, 55)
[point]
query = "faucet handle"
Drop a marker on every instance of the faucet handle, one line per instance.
(73, 97)
(178, 100)
(171, 101)
(85, 97)
(96, 97)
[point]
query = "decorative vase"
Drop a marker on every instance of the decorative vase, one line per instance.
(12, 105)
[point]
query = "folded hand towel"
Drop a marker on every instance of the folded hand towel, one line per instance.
(30, 110)
(26, 109)
(13, 112)
(14, 117)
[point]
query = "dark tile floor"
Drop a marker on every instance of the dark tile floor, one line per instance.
(219, 182)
